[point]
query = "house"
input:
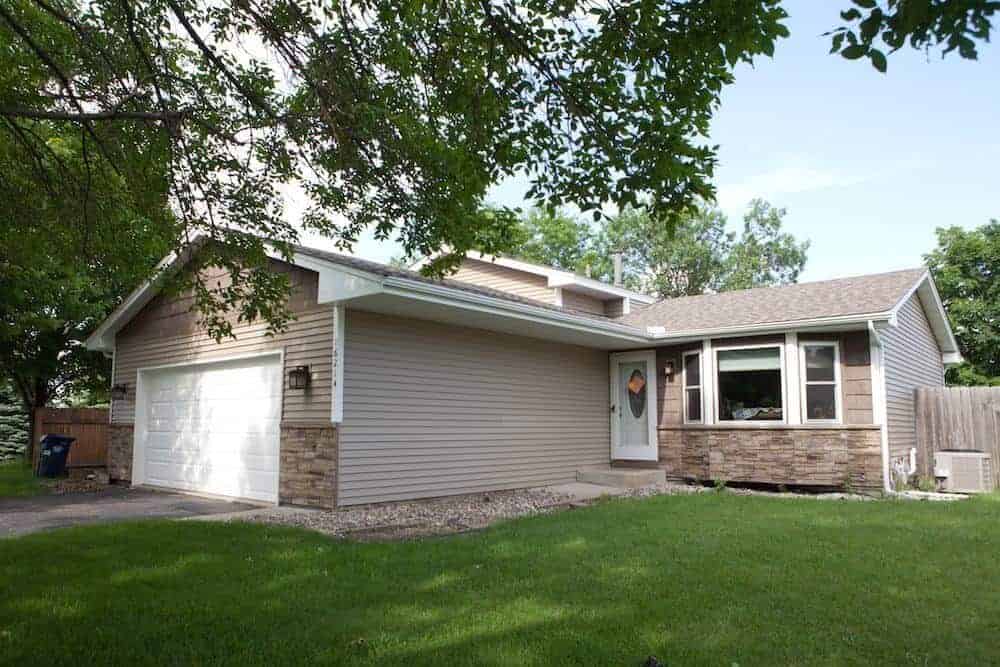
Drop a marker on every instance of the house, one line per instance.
(389, 385)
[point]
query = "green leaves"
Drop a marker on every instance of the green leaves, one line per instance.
(925, 24)
(965, 267)
(690, 254)
(878, 60)
(854, 51)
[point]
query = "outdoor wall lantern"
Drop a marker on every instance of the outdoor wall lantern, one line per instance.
(298, 377)
(668, 369)
(119, 392)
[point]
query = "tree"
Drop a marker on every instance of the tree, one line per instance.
(966, 269)
(695, 256)
(397, 116)
(688, 258)
(764, 255)
(57, 280)
(77, 233)
(13, 425)
(872, 28)
(554, 238)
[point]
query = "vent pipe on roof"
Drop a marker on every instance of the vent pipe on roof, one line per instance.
(616, 257)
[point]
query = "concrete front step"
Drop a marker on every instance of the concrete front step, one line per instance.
(622, 478)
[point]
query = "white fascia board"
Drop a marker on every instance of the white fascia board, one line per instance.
(940, 323)
(952, 358)
(338, 282)
(416, 289)
(588, 285)
(658, 334)
(936, 315)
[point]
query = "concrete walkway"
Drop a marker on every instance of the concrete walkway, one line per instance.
(580, 492)
(20, 516)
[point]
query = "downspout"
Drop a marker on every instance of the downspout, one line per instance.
(878, 346)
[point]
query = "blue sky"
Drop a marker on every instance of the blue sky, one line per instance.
(867, 164)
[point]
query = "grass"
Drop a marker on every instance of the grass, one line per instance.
(16, 479)
(712, 579)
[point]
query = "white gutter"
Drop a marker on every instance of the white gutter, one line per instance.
(877, 348)
(658, 334)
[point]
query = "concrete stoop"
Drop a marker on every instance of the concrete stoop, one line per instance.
(622, 478)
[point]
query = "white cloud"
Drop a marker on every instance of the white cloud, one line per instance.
(785, 180)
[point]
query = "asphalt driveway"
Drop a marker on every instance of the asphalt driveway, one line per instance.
(19, 516)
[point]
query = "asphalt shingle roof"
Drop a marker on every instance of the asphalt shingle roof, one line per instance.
(860, 295)
(875, 293)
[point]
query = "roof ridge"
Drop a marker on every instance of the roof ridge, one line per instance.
(807, 283)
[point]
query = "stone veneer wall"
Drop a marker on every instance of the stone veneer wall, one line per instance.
(120, 439)
(308, 473)
(829, 457)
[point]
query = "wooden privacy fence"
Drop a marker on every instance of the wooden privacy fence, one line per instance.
(960, 418)
(88, 425)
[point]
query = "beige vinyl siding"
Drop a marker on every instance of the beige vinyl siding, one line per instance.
(433, 410)
(615, 307)
(582, 302)
(166, 332)
(912, 359)
(521, 283)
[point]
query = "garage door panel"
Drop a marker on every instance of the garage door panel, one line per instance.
(214, 428)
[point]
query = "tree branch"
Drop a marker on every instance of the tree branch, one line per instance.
(170, 117)
(214, 58)
(63, 79)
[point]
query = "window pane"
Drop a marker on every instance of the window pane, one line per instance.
(819, 363)
(754, 359)
(635, 387)
(750, 396)
(692, 370)
(821, 401)
(694, 405)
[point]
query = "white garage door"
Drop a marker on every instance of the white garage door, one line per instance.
(211, 428)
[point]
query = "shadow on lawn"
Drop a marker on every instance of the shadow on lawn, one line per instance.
(692, 580)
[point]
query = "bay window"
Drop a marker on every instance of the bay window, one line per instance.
(750, 384)
(692, 387)
(820, 381)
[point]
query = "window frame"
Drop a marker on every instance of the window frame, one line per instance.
(784, 388)
(685, 387)
(804, 382)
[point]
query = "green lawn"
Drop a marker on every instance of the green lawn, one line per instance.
(16, 479)
(708, 579)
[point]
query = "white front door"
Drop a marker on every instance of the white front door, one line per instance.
(633, 406)
(211, 428)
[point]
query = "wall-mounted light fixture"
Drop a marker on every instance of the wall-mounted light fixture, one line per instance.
(668, 369)
(299, 377)
(119, 392)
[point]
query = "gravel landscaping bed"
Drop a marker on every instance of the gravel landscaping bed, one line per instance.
(457, 514)
(419, 518)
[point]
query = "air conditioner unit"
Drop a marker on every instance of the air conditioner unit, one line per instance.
(964, 472)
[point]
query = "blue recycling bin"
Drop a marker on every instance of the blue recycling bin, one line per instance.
(52, 457)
